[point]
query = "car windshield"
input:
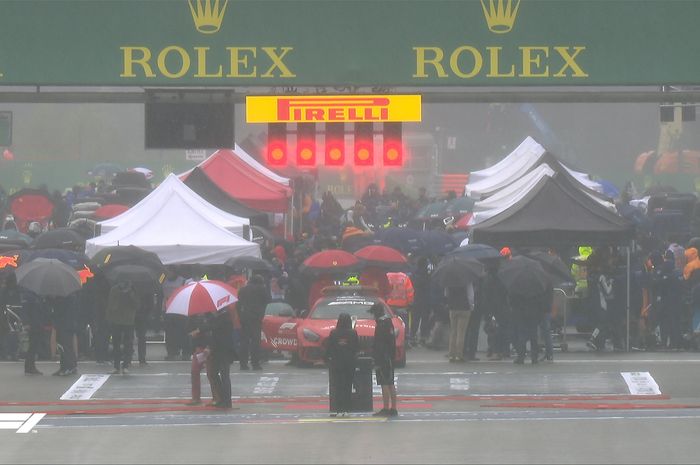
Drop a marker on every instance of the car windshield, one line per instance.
(331, 310)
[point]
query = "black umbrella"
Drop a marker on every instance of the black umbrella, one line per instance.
(249, 263)
(48, 277)
(553, 265)
(76, 260)
(478, 251)
(457, 271)
(60, 238)
(523, 276)
(143, 278)
(129, 255)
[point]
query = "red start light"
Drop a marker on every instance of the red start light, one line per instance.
(306, 153)
(277, 154)
(276, 144)
(364, 144)
(335, 144)
(393, 144)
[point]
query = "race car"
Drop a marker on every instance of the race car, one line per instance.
(313, 329)
(279, 328)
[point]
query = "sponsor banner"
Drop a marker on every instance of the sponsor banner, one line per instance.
(333, 109)
(342, 45)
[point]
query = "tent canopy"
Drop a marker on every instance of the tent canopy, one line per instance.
(173, 192)
(179, 232)
(526, 157)
(198, 181)
(554, 212)
(244, 183)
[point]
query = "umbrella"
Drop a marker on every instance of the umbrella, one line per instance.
(110, 210)
(478, 251)
(457, 271)
(129, 255)
(145, 171)
(14, 237)
(330, 260)
(48, 277)
(105, 170)
(523, 276)
(200, 297)
(143, 278)
(437, 242)
(406, 240)
(249, 263)
(459, 206)
(435, 210)
(60, 238)
(383, 257)
(356, 242)
(76, 260)
(553, 265)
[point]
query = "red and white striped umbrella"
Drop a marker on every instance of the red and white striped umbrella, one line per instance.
(200, 297)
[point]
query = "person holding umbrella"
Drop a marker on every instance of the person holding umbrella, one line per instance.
(122, 303)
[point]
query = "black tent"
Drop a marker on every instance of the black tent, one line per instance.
(198, 181)
(554, 212)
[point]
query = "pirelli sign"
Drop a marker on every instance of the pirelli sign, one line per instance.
(333, 109)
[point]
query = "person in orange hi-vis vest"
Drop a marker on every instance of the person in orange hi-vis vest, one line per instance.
(401, 294)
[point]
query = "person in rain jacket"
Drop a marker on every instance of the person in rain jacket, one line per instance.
(341, 357)
(122, 303)
(691, 275)
(252, 300)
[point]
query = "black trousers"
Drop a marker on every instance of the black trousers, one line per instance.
(35, 335)
(221, 379)
(340, 386)
(250, 342)
(176, 339)
(141, 327)
(123, 342)
(69, 359)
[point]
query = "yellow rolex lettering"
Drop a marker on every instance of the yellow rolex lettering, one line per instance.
(454, 61)
(202, 64)
(533, 56)
(422, 60)
(570, 62)
(184, 59)
(239, 58)
(277, 62)
(130, 60)
(494, 55)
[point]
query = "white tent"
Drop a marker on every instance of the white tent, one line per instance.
(525, 147)
(179, 232)
(172, 190)
(514, 191)
(528, 155)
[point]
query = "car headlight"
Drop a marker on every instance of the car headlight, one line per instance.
(310, 335)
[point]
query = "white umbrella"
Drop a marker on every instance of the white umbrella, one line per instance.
(200, 297)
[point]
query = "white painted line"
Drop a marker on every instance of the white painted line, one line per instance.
(31, 423)
(22, 422)
(11, 424)
(641, 383)
(85, 387)
(21, 417)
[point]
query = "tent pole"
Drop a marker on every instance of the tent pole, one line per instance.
(629, 251)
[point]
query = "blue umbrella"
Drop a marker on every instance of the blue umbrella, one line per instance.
(406, 240)
(438, 242)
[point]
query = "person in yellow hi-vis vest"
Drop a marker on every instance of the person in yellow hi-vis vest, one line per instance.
(401, 294)
(579, 272)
